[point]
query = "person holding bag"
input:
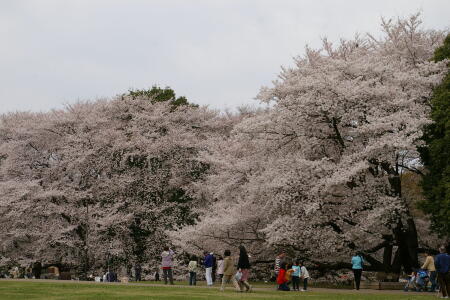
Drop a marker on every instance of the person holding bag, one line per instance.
(357, 268)
(244, 269)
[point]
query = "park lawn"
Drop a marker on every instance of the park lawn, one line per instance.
(54, 290)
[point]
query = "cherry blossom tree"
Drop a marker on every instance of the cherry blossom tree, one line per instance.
(319, 173)
(100, 179)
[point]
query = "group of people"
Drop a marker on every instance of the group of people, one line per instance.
(224, 268)
(286, 274)
(432, 269)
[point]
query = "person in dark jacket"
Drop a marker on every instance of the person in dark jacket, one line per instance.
(37, 269)
(214, 268)
(138, 271)
(244, 268)
(442, 264)
(208, 263)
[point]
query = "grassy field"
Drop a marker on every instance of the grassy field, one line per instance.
(98, 291)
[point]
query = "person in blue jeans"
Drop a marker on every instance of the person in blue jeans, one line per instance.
(357, 268)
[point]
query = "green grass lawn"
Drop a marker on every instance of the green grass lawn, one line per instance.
(55, 290)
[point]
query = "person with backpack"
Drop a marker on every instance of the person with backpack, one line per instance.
(357, 268)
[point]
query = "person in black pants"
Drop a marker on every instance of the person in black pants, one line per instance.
(357, 267)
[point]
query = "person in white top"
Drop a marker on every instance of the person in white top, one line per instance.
(220, 268)
(304, 275)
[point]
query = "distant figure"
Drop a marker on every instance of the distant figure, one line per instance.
(429, 266)
(192, 267)
(167, 264)
(244, 268)
(228, 271)
(304, 274)
(281, 278)
(208, 264)
(278, 260)
(37, 269)
(357, 268)
(214, 268)
(220, 268)
(289, 272)
(296, 276)
(138, 272)
(442, 264)
(157, 275)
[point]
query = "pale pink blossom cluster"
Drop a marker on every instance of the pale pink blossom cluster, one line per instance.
(318, 173)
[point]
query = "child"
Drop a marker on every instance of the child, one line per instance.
(192, 267)
(289, 272)
(411, 284)
(281, 279)
(305, 275)
(220, 268)
(296, 276)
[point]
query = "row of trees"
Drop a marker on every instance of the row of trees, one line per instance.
(319, 173)
(100, 179)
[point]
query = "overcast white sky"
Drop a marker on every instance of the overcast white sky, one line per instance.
(215, 52)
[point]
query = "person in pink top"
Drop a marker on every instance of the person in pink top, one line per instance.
(167, 264)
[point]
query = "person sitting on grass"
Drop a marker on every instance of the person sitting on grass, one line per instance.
(281, 279)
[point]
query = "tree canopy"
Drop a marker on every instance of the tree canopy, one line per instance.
(435, 154)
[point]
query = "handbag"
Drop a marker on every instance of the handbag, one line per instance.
(238, 275)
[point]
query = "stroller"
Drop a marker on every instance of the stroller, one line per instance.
(418, 281)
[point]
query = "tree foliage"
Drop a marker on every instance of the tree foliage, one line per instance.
(435, 154)
(320, 172)
(157, 94)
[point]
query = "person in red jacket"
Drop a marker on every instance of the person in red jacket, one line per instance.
(281, 279)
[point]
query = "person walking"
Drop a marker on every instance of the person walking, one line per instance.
(431, 269)
(357, 268)
(167, 264)
(208, 264)
(228, 271)
(192, 267)
(304, 274)
(220, 268)
(244, 268)
(442, 264)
